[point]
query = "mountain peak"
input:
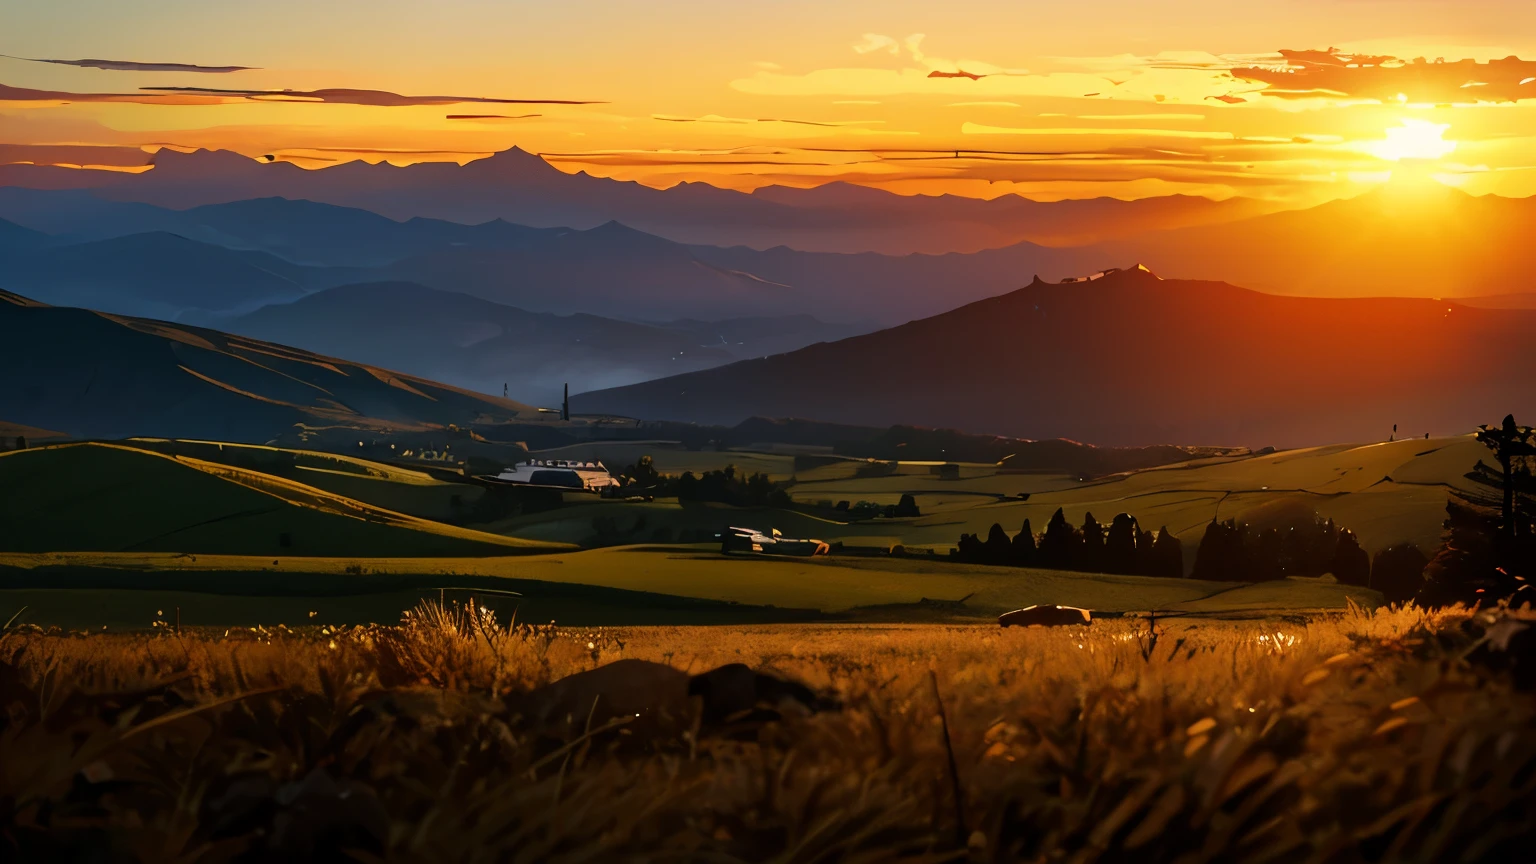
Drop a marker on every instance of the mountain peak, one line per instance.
(200, 162)
(514, 162)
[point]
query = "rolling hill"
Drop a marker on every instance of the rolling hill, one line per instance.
(1132, 359)
(109, 498)
(91, 374)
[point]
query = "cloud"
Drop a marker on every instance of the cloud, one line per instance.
(136, 66)
(876, 42)
(1141, 116)
(979, 129)
(491, 116)
(1333, 72)
(347, 96)
(211, 96)
(716, 118)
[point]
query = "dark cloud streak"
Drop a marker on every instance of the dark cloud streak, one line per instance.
(136, 66)
(347, 96)
(1341, 74)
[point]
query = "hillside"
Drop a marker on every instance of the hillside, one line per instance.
(106, 498)
(1131, 359)
(473, 343)
(89, 374)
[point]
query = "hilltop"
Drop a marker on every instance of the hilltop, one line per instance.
(1131, 359)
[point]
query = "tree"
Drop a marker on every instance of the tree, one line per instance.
(21, 442)
(1061, 545)
(1351, 565)
(1167, 558)
(907, 507)
(645, 473)
(1398, 572)
(1220, 556)
(1120, 552)
(1508, 442)
(1092, 558)
(687, 487)
(1023, 553)
(998, 549)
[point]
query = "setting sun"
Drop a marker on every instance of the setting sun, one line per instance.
(1415, 139)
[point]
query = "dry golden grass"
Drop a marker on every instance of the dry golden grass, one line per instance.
(1357, 737)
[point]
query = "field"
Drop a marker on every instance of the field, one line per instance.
(1387, 493)
(620, 585)
(1355, 736)
(109, 497)
(109, 534)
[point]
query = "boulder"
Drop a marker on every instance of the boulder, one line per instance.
(652, 698)
(735, 692)
(1045, 616)
(649, 692)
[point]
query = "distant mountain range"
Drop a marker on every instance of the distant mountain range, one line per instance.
(465, 228)
(88, 374)
(483, 346)
(1130, 359)
(523, 188)
(274, 250)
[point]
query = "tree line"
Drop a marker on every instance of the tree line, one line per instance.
(1123, 548)
(723, 486)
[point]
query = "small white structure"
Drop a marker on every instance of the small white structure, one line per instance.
(559, 473)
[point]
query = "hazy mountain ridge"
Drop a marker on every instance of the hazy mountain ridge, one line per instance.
(1131, 360)
(481, 345)
(521, 187)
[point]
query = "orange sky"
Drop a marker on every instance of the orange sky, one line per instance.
(1097, 97)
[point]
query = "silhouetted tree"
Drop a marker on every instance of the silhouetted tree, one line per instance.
(1167, 555)
(1398, 572)
(1092, 557)
(970, 548)
(1509, 442)
(1350, 565)
(1466, 569)
(907, 507)
(1120, 553)
(688, 487)
(1061, 545)
(1023, 553)
(21, 442)
(1220, 556)
(998, 548)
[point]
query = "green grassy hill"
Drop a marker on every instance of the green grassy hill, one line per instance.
(102, 497)
(390, 487)
(1388, 493)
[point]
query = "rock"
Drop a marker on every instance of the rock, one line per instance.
(1045, 616)
(735, 692)
(650, 692)
(654, 698)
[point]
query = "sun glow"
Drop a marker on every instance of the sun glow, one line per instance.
(1415, 139)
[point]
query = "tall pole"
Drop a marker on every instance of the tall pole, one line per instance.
(565, 404)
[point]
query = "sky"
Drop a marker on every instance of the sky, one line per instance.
(1287, 100)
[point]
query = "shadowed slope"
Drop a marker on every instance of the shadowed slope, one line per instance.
(1131, 359)
(95, 375)
(101, 497)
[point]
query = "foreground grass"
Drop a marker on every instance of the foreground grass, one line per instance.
(1356, 737)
